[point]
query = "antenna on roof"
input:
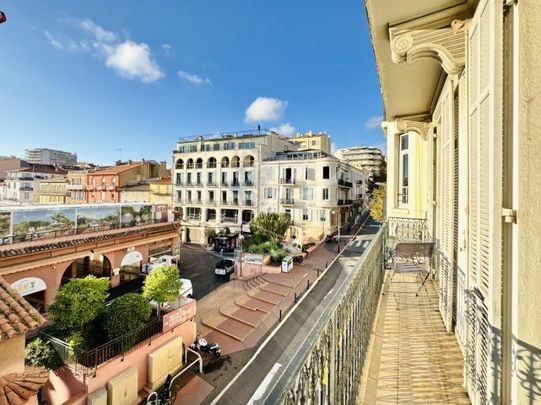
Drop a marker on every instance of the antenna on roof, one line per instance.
(119, 153)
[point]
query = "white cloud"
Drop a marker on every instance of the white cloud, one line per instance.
(133, 60)
(285, 129)
(192, 78)
(166, 48)
(265, 109)
(374, 122)
(128, 58)
(101, 34)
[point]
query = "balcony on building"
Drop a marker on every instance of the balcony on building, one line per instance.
(287, 180)
(344, 183)
(211, 184)
(248, 183)
(287, 201)
(26, 188)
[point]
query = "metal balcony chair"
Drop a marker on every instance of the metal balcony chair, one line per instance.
(411, 258)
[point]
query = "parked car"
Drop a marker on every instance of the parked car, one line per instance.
(225, 267)
(165, 259)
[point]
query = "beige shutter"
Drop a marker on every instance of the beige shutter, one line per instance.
(485, 126)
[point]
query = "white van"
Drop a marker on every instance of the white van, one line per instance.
(165, 259)
(186, 291)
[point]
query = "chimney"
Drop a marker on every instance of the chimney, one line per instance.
(130, 162)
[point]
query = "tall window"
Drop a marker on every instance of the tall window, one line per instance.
(325, 196)
(211, 196)
(326, 172)
(403, 172)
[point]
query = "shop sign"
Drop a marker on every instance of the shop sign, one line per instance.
(178, 317)
(29, 285)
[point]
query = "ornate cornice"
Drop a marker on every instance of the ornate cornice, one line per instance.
(446, 45)
(420, 127)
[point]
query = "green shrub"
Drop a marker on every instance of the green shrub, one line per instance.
(257, 249)
(126, 314)
(77, 303)
(41, 353)
(277, 255)
(162, 284)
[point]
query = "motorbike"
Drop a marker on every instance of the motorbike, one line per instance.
(298, 258)
(331, 239)
(213, 349)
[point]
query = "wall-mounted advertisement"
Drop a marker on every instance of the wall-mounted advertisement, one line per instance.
(134, 215)
(88, 219)
(33, 224)
(5, 223)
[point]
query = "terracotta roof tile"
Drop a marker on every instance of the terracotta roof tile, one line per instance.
(17, 389)
(116, 169)
(17, 316)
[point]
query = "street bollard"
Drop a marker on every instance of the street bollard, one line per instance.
(295, 300)
(307, 285)
(280, 315)
(317, 273)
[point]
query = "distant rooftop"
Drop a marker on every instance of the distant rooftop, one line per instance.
(231, 135)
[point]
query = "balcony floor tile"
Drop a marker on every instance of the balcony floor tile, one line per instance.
(413, 360)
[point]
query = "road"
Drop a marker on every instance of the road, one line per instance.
(198, 266)
(269, 367)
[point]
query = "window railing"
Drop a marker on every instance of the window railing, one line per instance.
(403, 196)
(211, 165)
(235, 164)
(235, 202)
(249, 183)
(248, 203)
(344, 183)
(199, 165)
(235, 183)
(287, 180)
(229, 219)
(211, 184)
(224, 183)
(287, 201)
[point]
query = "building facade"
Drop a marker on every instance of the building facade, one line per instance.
(314, 188)
(135, 193)
(10, 163)
(52, 191)
(105, 186)
(22, 185)
(461, 114)
(161, 192)
(47, 156)
(76, 187)
(215, 180)
(309, 140)
(364, 158)
(227, 181)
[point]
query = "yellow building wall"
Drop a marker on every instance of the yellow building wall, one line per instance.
(161, 194)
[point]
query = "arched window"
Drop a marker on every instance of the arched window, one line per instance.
(211, 163)
(179, 164)
(189, 163)
(235, 161)
(225, 161)
(248, 161)
(199, 163)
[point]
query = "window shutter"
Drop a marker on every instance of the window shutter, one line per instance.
(485, 157)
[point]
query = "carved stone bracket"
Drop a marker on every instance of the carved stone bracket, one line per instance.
(446, 45)
(420, 127)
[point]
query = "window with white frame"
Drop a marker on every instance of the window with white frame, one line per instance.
(269, 192)
(307, 194)
(322, 215)
(325, 195)
(306, 214)
(403, 169)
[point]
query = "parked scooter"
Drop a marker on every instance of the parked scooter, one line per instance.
(298, 258)
(213, 349)
(331, 239)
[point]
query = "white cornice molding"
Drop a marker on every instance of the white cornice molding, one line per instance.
(446, 45)
(420, 127)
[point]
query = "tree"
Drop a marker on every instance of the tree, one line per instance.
(77, 303)
(41, 353)
(126, 314)
(377, 205)
(162, 284)
(269, 226)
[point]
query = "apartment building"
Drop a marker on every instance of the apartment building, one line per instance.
(10, 163)
(47, 156)
(52, 191)
(316, 189)
(161, 192)
(76, 186)
(216, 178)
(134, 193)
(461, 120)
(21, 185)
(309, 140)
(105, 186)
(365, 158)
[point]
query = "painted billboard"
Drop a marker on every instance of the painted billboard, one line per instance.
(133, 215)
(5, 223)
(90, 218)
(37, 223)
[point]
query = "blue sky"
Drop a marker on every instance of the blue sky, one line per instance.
(92, 77)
